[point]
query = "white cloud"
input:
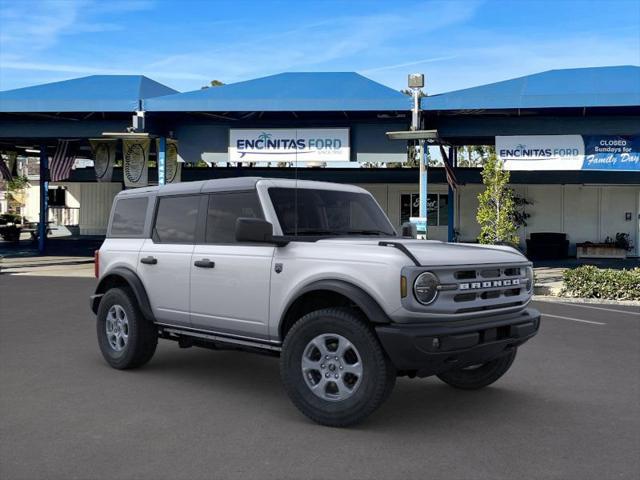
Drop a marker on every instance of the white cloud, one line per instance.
(408, 64)
(31, 27)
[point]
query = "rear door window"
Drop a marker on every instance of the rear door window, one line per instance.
(176, 219)
(224, 209)
(128, 217)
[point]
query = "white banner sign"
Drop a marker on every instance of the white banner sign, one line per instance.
(289, 145)
(173, 166)
(541, 152)
(104, 157)
(136, 162)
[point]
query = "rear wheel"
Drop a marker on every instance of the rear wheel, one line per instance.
(334, 369)
(478, 376)
(126, 338)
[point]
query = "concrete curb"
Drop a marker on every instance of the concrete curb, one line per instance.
(597, 301)
(547, 290)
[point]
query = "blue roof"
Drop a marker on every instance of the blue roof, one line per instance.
(297, 92)
(96, 93)
(577, 87)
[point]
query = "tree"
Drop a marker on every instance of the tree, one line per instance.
(474, 155)
(496, 209)
(213, 83)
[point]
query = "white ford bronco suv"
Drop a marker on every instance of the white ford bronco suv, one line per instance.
(315, 273)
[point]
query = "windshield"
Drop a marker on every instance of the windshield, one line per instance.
(313, 212)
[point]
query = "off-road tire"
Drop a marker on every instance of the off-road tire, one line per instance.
(142, 334)
(480, 377)
(378, 377)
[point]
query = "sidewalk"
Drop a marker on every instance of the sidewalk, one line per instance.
(48, 266)
(548, 280)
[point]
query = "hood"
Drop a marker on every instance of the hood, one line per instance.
(435, 253)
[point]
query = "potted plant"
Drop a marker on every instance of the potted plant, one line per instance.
(617, 247)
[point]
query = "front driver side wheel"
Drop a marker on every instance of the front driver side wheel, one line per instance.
(334, 369)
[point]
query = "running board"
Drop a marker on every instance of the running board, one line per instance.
(217, 337)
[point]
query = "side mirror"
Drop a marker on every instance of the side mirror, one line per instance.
(256, 230)
(409, 230)
(253, 230)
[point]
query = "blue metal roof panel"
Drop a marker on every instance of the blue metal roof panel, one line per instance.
(577, 87)
(96, 93)
(306, 91)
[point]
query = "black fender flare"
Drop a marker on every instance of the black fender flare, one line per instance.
(357, 295)
(133, 281)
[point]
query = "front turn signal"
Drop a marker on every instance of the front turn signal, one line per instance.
(403, 286)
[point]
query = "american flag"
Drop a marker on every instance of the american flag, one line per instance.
(448, 169)
(4, 170)
(62, 160)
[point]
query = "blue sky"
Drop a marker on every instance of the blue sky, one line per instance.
(184, 44)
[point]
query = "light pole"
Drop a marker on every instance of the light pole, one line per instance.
(416, 83)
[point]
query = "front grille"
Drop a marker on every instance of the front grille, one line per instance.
(487, 288)
(490, 288)
(480, 288)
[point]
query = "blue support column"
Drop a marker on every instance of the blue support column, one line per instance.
(44, 199)
(162, 160)
(424, 159)
(450, 198)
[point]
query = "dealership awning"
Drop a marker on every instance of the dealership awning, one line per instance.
(617, 86)
(288, 92)
(96, 93)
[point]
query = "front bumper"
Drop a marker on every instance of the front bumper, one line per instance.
(428, 349)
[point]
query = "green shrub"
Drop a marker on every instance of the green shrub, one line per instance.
(592, 282)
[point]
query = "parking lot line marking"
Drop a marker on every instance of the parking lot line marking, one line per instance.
(601, 308)
(573, 319)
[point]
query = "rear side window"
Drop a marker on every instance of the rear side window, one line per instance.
(224, 209)
(176, 219)
(128, 217)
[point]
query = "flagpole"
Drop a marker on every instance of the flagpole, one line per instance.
(44, 199)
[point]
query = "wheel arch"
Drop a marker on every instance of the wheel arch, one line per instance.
(329, 293)
(123, 277)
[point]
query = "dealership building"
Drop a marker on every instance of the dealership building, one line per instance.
(571, 139)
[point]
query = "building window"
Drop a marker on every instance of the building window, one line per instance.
(437, 208)
(57, 197)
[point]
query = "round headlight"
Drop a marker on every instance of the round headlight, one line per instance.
(425, 288)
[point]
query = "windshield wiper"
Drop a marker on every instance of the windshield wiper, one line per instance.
(368, 232)
(319, 231)
(311, 231)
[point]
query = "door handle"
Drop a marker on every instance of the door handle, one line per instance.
(204, 263)
(149, 260)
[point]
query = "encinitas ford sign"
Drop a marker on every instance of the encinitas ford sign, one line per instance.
(541, 152)
(569, 152)
(289, 145)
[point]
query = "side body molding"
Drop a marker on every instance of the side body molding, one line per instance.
(116, 277)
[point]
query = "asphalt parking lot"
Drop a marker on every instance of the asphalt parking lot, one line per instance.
(567, 409)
